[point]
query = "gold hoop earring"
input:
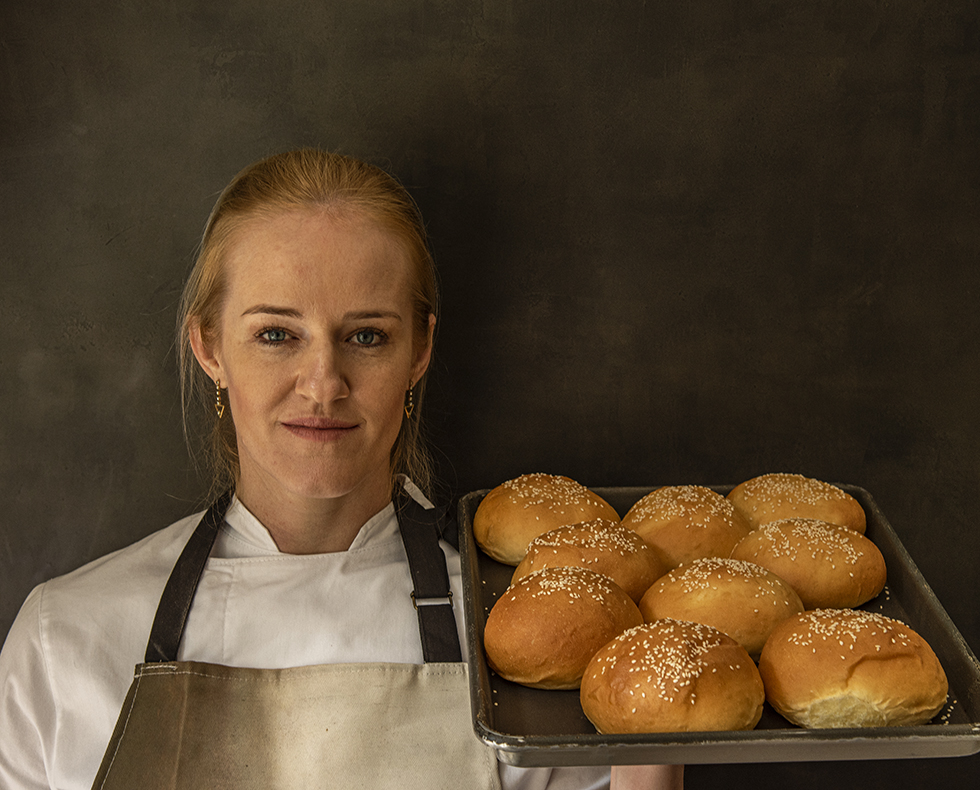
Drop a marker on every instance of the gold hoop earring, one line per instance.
(219, 407)
(409, 403)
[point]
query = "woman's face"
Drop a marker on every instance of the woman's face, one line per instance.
(316, 350)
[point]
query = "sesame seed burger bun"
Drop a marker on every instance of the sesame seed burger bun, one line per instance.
(672, 676)
(514, 513)
(687, 522)
(544, 629)
(829, 566)
(739, 598)
(602, 546)
(779, 495)
(846, 668)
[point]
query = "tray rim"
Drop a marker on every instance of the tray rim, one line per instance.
(791, 744)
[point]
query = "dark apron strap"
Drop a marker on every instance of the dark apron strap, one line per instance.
(175, 603)
(432, 597)
(420, 529)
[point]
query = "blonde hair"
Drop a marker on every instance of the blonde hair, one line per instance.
(302, 179)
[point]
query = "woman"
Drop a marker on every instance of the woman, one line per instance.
(285, 647)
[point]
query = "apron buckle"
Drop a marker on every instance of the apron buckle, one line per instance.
(447, 599)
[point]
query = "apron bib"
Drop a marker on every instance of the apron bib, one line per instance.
(191, 725)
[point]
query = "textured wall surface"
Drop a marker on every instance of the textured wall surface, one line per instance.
(678, 242)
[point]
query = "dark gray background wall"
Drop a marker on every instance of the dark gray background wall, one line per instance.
(679, 243)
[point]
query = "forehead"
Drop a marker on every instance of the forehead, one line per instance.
(317, 260)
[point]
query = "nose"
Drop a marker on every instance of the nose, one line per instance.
(321, 376)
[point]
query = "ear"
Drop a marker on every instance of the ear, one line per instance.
(424, 354)
(204, 351)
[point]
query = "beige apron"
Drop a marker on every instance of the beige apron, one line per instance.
(190, 725)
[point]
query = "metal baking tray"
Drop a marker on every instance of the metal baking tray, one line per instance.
(533, 727)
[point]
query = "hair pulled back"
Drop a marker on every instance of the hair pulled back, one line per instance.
(301, 179)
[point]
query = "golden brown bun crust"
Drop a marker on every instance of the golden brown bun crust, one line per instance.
(845, 668)
(687, 522)
(602, 546)
(517, 511)
(672, 676)
(544, 629)
(829, 566)
(780, 495)
(741, 599)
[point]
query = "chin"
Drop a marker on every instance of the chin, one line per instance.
(318, 475)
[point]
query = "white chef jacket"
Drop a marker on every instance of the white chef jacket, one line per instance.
(68, 660)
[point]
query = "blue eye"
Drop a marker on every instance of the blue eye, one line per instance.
(273, 335)
(366, 337)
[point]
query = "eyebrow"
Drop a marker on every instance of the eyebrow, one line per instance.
(268, 309)
(290, 312)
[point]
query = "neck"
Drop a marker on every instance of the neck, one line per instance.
(312, 525)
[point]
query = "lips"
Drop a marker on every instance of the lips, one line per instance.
(323, 429)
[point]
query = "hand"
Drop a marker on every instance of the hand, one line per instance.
(647, 777)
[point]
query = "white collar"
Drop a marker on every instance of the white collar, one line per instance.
(242, 527)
